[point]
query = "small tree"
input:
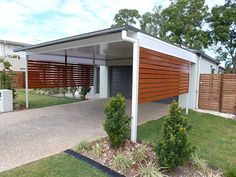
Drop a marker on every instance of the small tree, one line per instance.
(73, 90)
(83, 92)
(117, 123)
(6, 75)
(174, 149)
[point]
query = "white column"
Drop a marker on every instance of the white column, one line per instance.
(94, 81)
(26, 84)
(135, 79)
(104, 82)
(189, 84)
(135, 82)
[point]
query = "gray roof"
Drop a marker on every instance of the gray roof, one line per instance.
(13, 42)
(104, 32)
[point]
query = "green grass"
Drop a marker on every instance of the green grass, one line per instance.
(60, 165)
(214, 136)
(39, 100)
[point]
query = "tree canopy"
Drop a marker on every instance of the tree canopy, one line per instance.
(126, 16)
(222, 22)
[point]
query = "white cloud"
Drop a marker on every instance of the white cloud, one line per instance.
(43, 20)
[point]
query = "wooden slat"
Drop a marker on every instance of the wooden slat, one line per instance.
(218, 92)
(52, 74)
(161, 76)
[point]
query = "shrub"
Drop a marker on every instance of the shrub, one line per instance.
(121, 162)
(117, 123)
(64, 90)
(173, 149)
(150, 170)
(83, 92)
(139, 154)
(73, 90)
(82, 146)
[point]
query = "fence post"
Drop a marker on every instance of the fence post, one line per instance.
(221, 91)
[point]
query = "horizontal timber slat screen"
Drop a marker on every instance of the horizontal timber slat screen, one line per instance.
(43, 74)
(161, 76)
(19, 79)
(217, 92)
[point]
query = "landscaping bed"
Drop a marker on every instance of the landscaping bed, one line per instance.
(137, 159)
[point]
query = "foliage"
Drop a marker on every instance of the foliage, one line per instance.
(210, 173)
(82, 146)
(173, 149)
(73, 90)
(223, 32)
(151, 22)
(117, 123)
(6, 75)
(98, 150)
(63, 90)
(126, 16)
(150, 170)
(83, 92)
(121, 162)
(198, 161)
(231, 172)
(183, 23)
(139, 154)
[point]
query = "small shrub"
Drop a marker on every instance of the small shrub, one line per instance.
(198, 161)
(174, 149)
(121, 162)
(150, 170)
(73, 90)
(98, 149)
(139, 154)
(64, 90)
(83, 92)
(82, 146)
(117, 123)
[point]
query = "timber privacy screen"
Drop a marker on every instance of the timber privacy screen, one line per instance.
(161, 76)
(217, 92)
(43, 74)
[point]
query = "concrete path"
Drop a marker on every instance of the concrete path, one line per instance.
(26, 136)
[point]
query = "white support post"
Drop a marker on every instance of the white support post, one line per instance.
(189, 84)
(26, 84)
(135, 80)
(94, 76)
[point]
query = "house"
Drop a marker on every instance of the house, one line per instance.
(122, 60)
(221, 70)
(6, 48)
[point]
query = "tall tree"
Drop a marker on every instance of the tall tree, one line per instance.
(126, 16)
(151, 22)
(223, 32)
(182, 23)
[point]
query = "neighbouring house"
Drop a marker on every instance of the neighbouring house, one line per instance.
(221, 70)
(6, 48)
(18, 65)
(122, 60)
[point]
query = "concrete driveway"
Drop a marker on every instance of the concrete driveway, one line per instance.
(26, 136)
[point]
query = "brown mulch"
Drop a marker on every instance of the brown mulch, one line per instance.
(108, 154)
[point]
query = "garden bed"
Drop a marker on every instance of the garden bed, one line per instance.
(137, 159)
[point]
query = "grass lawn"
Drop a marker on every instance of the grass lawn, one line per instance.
(60, 165)
(214, 136)
(39, 101)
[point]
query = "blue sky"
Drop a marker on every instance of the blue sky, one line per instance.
(34, 21)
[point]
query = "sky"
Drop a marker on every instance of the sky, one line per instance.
(34, 21)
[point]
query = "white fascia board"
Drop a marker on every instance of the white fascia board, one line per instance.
(108, 38)
(164, 47)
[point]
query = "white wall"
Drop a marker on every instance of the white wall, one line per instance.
(17, 64)
(203, 66)
(104, 82)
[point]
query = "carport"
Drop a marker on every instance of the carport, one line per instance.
(159, 70)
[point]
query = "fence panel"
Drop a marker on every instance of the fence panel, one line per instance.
(217, 92)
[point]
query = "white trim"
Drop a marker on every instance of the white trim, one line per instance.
(198, 84)
(135, 80)
(189, 85)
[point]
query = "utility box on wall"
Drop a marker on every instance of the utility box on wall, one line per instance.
(6, 100)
